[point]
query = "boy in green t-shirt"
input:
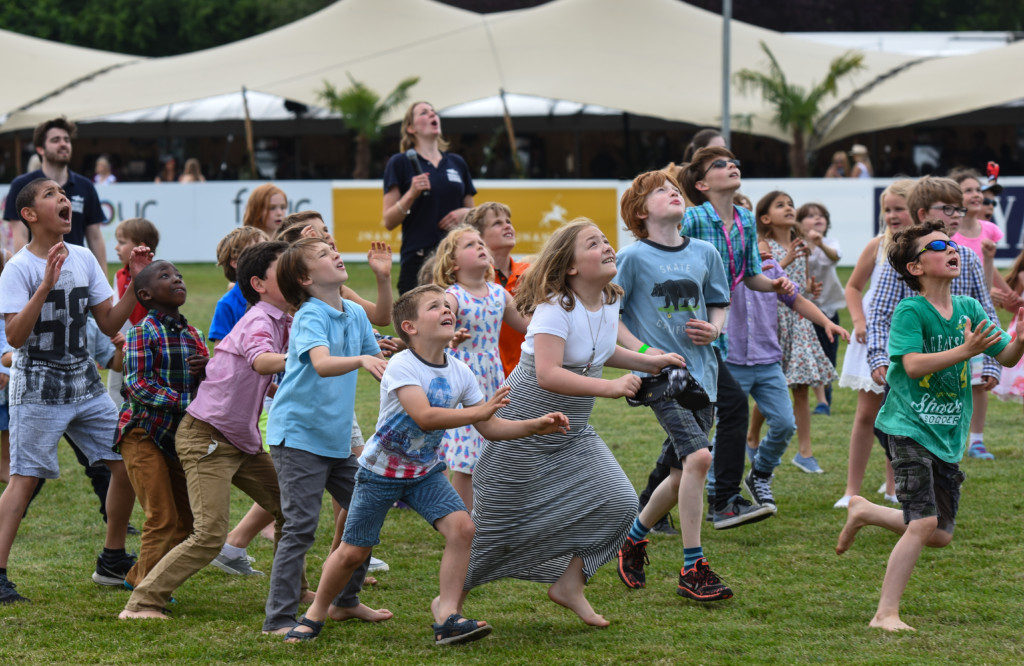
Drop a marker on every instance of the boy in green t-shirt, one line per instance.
(927, 413)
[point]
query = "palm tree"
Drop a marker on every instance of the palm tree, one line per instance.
(796, 109)
(362, 110)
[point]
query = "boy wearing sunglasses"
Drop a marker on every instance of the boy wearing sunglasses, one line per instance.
(927, 414)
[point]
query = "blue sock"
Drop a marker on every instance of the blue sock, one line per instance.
(691, 555)
(638, 532)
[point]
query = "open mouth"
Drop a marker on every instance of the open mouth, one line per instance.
(447, 321)
(953, 262)
(64, 212)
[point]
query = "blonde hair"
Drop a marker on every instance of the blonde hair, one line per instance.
(899, 188)
(444, 257)
(547, 278)
(477, 216)
(930, 190)
(230, 247)
(408, 141)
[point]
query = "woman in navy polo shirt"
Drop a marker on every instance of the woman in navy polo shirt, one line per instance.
(428, 195)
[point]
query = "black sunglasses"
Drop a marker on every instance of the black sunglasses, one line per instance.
(939, 245)
(989, 202)
(721, 164)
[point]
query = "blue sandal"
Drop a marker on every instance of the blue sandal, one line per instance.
(317, 627)
(457, 629)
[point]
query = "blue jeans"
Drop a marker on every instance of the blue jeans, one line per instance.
(767, 385)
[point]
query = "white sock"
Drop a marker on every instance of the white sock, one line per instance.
(977, 438)
(232, 552)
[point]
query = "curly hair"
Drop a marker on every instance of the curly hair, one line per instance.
(903, 250)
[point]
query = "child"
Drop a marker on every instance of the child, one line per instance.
(330, 339)
(691, 276)
(803, 360)
(895, 216)
(932, 199)
(1011, 384)
(55, 385)
(218, 442)
(232, 305)
(494, 222)
(129, 235)
(419, 392)
(554, 508)
(5, 378)
(163, 365)
(814, 222)
(710, 181)
(266, 208)
(927, 412)
(462, 266)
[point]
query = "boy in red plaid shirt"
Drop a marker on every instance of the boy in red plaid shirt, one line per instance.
(163, 364)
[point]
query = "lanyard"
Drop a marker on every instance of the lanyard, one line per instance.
(736, 271)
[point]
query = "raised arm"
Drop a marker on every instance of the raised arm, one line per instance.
(111, 317)
(19, 325)
(427, 417)
(812, 312)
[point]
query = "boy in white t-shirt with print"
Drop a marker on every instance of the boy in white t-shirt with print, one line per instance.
(46, 292)
(420, 391)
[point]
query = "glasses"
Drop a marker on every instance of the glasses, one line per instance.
(721, 164)
(939, 246)
(949, 209)
(988, 202)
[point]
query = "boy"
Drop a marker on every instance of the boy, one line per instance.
(687, 277)
(710, 181)
(218, 442)
(232, 305)
(311, 448)
(419, 392)
(928, 411)
(163, 365)
(45, 292)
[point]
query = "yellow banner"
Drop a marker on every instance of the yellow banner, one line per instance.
(536, 213)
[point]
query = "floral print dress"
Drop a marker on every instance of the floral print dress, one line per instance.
(461, 447)
(1011, 381)
(803, 359)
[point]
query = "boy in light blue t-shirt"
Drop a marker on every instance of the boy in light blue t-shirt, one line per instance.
(927, 413)
(676, 293)
(310, 425)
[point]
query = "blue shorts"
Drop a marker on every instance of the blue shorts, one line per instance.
(5, 417)
(431, 496)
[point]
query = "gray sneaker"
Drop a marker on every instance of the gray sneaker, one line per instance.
(377, 565)
(738, 512)
(239, 566)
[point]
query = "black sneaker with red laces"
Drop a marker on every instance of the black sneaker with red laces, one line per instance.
(700, 583)
(632, 558)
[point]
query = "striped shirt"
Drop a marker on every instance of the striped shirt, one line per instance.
(890, 290)
(157, 383)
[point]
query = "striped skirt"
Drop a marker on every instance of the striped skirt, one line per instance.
(540, 500)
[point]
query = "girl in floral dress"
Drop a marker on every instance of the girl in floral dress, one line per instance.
(1011, 382)
(803, 360)
(481, 306)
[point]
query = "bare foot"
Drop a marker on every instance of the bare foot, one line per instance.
(360, 612)
(280, 631)
(854, 521)
(369, 580)
(308, 597)
(890, 623)
(577, 604)
(268, 532)
(143, 615)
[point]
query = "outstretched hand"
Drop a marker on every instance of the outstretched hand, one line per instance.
(979, 338)
(141, 257)
(497, 401)
(379, 258)
(832, 330)
(551, 423)
(54, 262)
(461, 335)
(784, 286)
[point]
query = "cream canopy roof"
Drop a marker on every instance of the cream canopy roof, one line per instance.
(657, 58)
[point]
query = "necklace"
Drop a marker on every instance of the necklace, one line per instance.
(593, 338)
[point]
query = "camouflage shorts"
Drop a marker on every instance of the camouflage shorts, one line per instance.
(925, 485)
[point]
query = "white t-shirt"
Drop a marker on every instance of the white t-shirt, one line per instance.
(53, 367)
(823, 269)
(400, 448)
(589, 336)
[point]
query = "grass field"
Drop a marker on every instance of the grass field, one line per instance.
(795, 599)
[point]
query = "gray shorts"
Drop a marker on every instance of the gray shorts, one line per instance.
(687, 430)
(36, 430)
(925, 485)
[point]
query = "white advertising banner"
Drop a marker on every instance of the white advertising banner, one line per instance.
(192, 218)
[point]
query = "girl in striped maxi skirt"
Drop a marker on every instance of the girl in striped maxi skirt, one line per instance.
(554, 508)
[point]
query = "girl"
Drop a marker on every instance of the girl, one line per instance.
(895, 216)
(1011, 383)
(554, 508)
(803, 361)
(814, 222)
(481, 306)
(266, 209)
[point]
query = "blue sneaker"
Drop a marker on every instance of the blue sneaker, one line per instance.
(823, 409)
(978, 450)
(808, 464)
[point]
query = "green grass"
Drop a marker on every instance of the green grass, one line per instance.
(796, 601)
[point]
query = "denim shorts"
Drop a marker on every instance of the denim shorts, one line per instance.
(430, 495)
(925, 485)
(36, 430)
(687, 430)
(5, 417)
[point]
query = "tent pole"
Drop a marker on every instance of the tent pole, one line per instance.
(726, 46)
(248, 135)
(511, 132)
(17, 154)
